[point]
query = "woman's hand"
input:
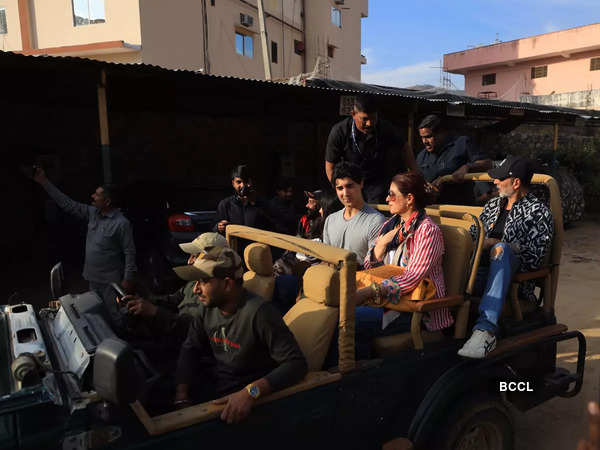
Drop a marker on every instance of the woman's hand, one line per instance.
(382, 243)
(363, 295)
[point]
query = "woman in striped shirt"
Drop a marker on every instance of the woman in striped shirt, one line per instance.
(412, 241)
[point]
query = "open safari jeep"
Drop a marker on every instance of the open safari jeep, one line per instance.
(89, 392)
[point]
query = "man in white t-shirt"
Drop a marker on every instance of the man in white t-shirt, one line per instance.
(356, 226)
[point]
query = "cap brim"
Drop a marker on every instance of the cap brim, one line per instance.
(309, 194)
(190, 248)
(200, 270)
(497, 173)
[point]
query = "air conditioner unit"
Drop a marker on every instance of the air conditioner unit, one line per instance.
(246, 20)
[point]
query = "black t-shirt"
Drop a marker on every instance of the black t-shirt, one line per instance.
(235, 212)
(247, 345)
(498, 231)
(379, 154)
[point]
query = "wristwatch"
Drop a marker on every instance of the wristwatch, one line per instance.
(253, 390)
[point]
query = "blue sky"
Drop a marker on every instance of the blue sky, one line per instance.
(403, 40)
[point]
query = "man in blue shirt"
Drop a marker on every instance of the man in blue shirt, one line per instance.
(109, 246)
(445, 154)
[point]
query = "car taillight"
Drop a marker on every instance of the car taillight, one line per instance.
(180, 222)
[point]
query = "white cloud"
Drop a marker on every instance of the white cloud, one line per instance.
(426, 72)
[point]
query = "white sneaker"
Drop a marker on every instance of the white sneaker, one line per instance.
(479, 345)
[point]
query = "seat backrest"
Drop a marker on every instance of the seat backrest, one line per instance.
(259, 279)
(312, 320)
(459, 248)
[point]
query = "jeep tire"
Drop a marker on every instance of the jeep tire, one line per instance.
(479, 425)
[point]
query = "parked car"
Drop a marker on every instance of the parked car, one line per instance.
(164, 215)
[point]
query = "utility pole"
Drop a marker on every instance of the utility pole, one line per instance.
(263, 40)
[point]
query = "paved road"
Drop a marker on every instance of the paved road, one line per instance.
(560, 423)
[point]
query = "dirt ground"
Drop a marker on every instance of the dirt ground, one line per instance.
(560, 423)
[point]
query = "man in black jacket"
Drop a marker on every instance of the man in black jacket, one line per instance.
(518, 233)
(242, 208)
(254, 351)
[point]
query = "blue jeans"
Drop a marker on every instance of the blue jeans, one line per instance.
(497, 278)
(367, 326)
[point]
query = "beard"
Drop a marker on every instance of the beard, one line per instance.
(312, 213)
(506, 193)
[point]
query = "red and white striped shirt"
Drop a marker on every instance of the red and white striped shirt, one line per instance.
(425, 248)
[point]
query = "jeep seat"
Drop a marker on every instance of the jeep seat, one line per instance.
(313, 318)
(457, 266)
(259, 278)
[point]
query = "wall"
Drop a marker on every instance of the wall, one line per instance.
(589, 99)
(345, 64)
(171, 33)
(11, 40)
(182, 45)
(564, 75)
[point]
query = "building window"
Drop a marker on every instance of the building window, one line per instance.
(3, 27)
(330, 51)
(336, 17)
(244, 45)
(539, 72)
(298, 47)
(86, 12)
(487, 79)
(274, 52)
(595, 64)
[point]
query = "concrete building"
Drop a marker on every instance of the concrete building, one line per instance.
(560, 68)
(215, 36)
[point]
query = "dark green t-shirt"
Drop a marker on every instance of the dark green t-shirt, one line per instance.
(247, 345)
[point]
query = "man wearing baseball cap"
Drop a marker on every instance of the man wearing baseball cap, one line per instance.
(307, 222)
(170, 315)
(518, 233)
(254, 351)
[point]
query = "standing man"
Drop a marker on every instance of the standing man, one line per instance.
(445, 154)
(281, 208)
(109, 245)
(254, 352)
(518, 233)
(354, 228)
(372, 144)
(242, 208)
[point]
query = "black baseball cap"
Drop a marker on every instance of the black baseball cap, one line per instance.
(513, 166)
(314, 194)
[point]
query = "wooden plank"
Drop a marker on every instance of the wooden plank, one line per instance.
(207, 411)
(511, 343)
(319, 250)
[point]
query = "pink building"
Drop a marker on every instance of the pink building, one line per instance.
(560, 68)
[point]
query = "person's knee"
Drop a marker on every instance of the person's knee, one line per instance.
(499, 250)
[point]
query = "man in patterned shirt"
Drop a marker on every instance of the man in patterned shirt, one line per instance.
(518, 233)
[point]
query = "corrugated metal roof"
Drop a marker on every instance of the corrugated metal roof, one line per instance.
(482, 106)
(442, 96)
